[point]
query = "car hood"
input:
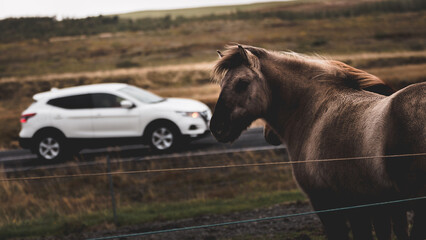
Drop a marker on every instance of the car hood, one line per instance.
(183, 104)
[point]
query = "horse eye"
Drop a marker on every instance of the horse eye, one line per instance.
(241, 86)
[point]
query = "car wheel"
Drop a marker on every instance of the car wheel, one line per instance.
(163, 137)
(50, 147)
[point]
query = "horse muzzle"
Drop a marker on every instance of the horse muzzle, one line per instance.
(226, 130)
(219, 129)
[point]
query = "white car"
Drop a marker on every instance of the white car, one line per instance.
(64, 121)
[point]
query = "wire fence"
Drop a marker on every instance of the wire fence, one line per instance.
(209, 167)
(110, 173)
(116, 152)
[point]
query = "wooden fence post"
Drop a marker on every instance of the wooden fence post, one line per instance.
(111, 189)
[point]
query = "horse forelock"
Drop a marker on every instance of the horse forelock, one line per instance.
(232, 59)
(328, 70)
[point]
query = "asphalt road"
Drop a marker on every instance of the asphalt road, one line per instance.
(252, 139)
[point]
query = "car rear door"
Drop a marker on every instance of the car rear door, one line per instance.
(73, 115)
(110, 120)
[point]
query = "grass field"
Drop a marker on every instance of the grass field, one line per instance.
(57, 206)
(196, 42)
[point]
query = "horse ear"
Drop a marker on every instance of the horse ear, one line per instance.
(219, 53)
(249, 59)
(243, 54)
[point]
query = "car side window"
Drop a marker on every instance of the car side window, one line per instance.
(106, 100)
(82, 101)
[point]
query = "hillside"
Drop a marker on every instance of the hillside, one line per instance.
(205, 11)
(286, 5)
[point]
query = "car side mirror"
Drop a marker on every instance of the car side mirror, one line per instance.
(127, 104)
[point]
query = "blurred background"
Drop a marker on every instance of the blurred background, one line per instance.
(171, 53)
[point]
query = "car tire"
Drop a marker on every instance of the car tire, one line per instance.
(164, 137)
(50, 147)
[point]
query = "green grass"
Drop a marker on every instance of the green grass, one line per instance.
(142, 213)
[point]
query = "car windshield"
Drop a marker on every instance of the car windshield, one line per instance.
(141, 95)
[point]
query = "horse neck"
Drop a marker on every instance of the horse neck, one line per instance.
(296, 95)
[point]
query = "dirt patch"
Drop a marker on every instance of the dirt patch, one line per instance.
(302, 227)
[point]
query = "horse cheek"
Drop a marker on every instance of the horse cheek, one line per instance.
(258, 105)
(222, 115)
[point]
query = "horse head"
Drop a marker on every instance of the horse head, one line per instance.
(244, 95)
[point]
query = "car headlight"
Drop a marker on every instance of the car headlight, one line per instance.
(189, 114)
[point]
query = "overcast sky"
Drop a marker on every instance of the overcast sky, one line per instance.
(84, 8)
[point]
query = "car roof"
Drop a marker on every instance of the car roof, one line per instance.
(101, 87)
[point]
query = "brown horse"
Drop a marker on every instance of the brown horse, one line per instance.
(320, 109)
(382, 216)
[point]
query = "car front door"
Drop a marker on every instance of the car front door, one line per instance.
(111, 120)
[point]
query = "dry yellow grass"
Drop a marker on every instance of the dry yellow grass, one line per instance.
(375, 55)
(112, 73)
(204, 66)
(400, 73)
(26, 200)
(205, 93)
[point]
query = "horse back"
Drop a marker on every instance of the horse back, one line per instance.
(408, 117)
(406, 134)
(366, 125)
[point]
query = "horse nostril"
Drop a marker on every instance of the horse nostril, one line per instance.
(217, 133)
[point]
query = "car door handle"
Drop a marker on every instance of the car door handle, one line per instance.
(58, 117)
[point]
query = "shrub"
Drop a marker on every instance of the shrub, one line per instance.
(127, 64)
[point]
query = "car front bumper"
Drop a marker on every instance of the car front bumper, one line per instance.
(194, 127)
(197, 136)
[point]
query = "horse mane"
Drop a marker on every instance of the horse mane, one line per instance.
(363, 80)
(342, 73)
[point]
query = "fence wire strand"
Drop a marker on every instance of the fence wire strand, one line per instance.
(257, 219)
(207, 167)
